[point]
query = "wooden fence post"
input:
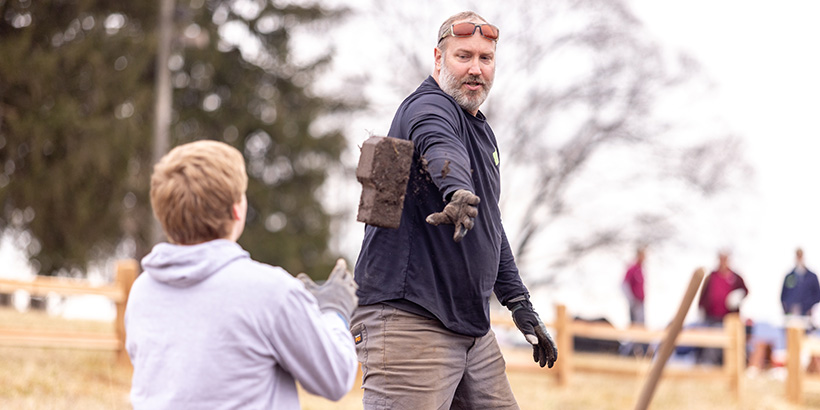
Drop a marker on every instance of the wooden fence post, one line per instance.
(127, 271)
(563, 365)
(794, 377)
(734, 357)
(668, 344)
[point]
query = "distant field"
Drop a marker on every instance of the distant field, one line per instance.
(39, 379)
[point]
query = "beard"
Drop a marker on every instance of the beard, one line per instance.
(467, 99)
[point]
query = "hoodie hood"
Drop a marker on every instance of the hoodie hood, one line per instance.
(186, 265)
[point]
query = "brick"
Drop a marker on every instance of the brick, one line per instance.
(383, 171)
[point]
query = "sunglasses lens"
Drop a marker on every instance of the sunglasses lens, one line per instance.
(489, 31)
(463, 29)
(468, 29)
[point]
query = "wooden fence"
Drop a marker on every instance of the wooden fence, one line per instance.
(798, 345)
(126, 273)
(731, 338)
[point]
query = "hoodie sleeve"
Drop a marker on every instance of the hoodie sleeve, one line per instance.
(316, 348)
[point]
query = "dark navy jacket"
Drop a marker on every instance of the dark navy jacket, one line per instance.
(419, 264)
(800, 290)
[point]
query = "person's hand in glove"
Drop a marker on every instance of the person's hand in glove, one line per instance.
(544, 350)
(338, 293)
(460, 211)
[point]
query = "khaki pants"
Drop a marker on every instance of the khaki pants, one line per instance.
(412, 362)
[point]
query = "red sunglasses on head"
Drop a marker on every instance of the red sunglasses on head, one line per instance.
(487, 31)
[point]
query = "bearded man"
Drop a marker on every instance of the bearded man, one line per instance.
(422, 328)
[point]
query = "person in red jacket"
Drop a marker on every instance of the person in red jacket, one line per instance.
(633, 285)
(721, 294)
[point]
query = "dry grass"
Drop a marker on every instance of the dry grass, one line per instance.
(35, 378)
(537, 390)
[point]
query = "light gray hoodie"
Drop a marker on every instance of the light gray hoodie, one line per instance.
(209, 328)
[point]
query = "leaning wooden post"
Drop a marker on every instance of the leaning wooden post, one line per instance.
(126, 275)
(794, 377)
(734, 357)
(563, 365)
(668, 344)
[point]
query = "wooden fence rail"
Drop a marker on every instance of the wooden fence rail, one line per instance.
(126, 273)
(731, 338)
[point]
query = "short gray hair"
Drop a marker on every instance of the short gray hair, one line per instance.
(464, 15)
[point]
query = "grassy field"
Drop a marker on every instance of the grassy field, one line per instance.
(38, 379)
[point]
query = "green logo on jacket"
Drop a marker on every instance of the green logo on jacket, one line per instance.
(791, 281)
(495, 157)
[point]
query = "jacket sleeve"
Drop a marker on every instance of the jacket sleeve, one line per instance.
(815, 290)
(508, 283)
(742, 285)
(316, 348)
(783, 294)
(433, 128)
(704, 291)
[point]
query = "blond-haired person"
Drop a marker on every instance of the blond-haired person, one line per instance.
(210, 328)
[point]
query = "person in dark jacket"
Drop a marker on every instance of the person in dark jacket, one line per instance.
(800, 293)
(801, 290)
(423, 324)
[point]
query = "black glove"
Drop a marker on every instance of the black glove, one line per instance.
(460, 211)
(528, 322)
(338, 293)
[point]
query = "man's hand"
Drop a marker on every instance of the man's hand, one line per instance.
(460, 211)
(528, 322)
(338, 293)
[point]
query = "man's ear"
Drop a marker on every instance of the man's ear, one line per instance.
(437, 57)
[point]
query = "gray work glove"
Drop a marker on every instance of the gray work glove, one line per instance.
(460, 211)
(338, 293)
(528, 322)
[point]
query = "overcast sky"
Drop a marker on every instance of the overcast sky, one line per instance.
(763, 59)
